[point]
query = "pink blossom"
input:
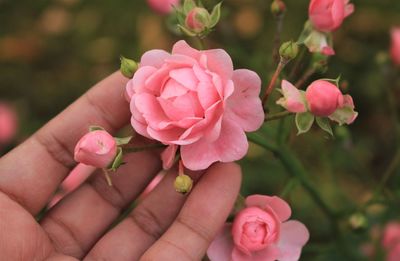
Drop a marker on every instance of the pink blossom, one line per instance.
(293, 99)
(97, 148)
(323, 98)
(328, 15)
(196, 100)
(260, 232)
(8, 123)
(395, 47)
(391, 241)
(162, 6)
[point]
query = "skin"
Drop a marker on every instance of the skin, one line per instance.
(164, 225)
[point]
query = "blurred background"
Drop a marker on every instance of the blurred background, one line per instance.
(51, 52)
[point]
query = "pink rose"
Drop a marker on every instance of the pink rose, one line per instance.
(260, 232)
(162, 6)
(196, 100)
(328, 15)
(97, 148)
(395, 47)
(8, 123)
(323, 98)
(391, 235)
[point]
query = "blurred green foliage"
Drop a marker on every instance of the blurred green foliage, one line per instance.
(53, 51)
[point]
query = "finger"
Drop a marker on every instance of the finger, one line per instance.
(203, 214)
(79, 220)
(132, 237)
(31, 173)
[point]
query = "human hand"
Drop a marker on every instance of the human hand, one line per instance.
(164, 226)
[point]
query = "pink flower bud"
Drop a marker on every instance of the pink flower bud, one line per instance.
(395, 48)
(254, 229)
(293, 99)
(97, 148)
(197, 19)
(323, 98)
(8, 123)
(162, 6)
(328, 15)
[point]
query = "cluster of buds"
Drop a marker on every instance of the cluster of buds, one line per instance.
(99, 149)
(325, 16)
(195, 20)
(321, 101)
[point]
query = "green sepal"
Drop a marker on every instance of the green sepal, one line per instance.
(123, 141)
(118, 160)
(215, 15)
(188, 5)
(324, 124)
(186, 31)
(180, 15)
(304, 122)
(95, 128)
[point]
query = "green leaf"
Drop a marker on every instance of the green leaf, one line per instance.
(123, 141)
(188, 5)
(118, 160)
(95, 128)
(304, 122)
(215, 15)
(324, 124)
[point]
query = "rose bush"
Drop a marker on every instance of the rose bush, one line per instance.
(195, 100)
(261, 231)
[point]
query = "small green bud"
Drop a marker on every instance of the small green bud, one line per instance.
(183, 184)
(289, 50)
(128, 67)
(278, 7)
(358, 221)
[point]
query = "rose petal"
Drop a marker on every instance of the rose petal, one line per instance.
(222, 246)
(278, 205)
(294, 235)
(244, 105)
(270, 253)
(185, 76)
(155, 58)
(137, 83)
(219, 62)
(230, 146)
(181, 47)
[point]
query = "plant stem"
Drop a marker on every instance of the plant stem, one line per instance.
(277, 116)
(272, 83)
(305, 77)
(277, 37)
(142, 148)
(292, 183)
(201, 43)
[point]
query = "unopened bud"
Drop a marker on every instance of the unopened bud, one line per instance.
(128, 67)
(358, 221)
(197, 19)
(278, 7)
(289, 50)
(183, 184)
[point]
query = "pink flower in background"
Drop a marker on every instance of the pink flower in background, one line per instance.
(328, 15)
(8, 123)
(97, 148)
(323, 98)
(163, 6)
(196, 100)
(395, 46)
(261, 231)
(391, 241)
